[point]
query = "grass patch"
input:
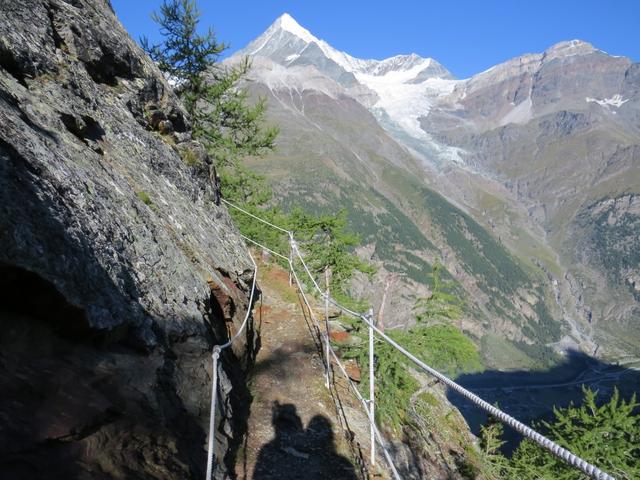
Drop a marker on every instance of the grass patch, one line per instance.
(498, 353)
(144, 197)
(190, 157)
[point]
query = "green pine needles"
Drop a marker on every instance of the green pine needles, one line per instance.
(222, 118)
(442, 305)
(433, 339)
(328, 244)
(443, 347)
(606, 435)
(232, 129)
(184, 55)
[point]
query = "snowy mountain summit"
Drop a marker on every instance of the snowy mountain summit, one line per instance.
(413, 97)
(288, 43)
(397, 90)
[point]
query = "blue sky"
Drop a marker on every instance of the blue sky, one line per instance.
(467, 37)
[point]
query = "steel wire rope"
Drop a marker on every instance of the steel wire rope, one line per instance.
(217, 349)
(562, 453)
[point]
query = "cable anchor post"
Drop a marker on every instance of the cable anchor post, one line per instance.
(327, 276)
(292, 244)
(215, 355)
(372, 395)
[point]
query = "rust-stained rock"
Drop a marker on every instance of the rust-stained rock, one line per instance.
(353, 370)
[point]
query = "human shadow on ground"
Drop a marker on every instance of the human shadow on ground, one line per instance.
(530, 396)
(297, 452)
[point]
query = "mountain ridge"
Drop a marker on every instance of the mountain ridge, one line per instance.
(286, 23)
(485, 143)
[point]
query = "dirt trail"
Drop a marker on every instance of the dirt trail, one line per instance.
(293, 432)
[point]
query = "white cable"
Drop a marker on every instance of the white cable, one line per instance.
(266, 248)
(256, 217)
(331, 300)
(365, 406)
(214, 382)
(304, 297)
(294, 245)
(212, 416)
(528, 432)
(248, 314)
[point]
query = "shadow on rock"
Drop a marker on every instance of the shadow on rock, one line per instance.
(296, 452)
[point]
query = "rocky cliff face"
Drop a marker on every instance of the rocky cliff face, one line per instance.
(117, 272)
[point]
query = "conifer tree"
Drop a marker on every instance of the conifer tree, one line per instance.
(328, 244)
(495, 464)
(607, 435)
(231, 129)
(441, 305)
(222, 118)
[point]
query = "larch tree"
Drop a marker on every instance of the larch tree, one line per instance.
(223, 120)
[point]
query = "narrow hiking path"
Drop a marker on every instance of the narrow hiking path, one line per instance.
(293, 432)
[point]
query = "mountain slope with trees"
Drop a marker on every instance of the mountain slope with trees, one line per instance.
(332, 153)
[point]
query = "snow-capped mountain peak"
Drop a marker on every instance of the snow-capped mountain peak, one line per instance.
(288, 43)
(288, 23)
(399, 62)
(400, 89)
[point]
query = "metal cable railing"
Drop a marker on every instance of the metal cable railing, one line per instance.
(324, 336)
(214, 382)
(562, 453)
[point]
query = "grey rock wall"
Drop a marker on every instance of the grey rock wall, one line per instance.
(117, 272)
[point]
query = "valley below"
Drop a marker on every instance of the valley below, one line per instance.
(521, 181)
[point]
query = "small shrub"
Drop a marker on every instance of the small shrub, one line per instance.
(145, 198)
(443, 347)
(602, 433)
(190, 157)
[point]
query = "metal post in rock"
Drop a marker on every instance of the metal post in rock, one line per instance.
(327, 329)
(212, 419)
(291, 240)
(372, 398)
